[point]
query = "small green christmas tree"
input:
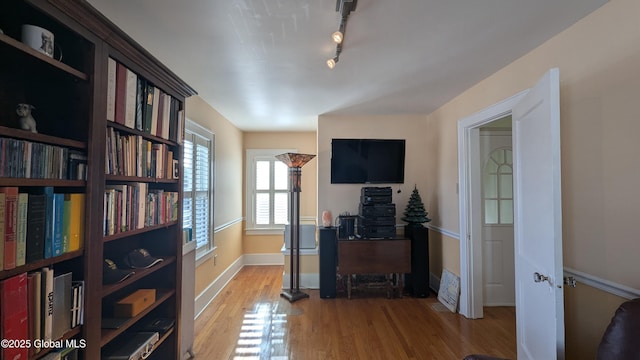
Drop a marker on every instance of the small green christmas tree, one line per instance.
(415, 213)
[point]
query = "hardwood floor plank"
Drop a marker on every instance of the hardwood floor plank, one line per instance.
(249, 320)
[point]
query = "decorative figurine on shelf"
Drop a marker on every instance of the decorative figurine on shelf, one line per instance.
(27, 122)
(415, 214)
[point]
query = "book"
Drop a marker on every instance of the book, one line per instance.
(78, 309)
(34, 285)
(140, 102)
(121, 207)
(58, 216)
(147, 111)
(111, 89)
(10, 225)
(48, 222)
(121, 93)
(130, 100)
(180, 130)
(47, 304)
(173, 120)
(76, 223)
(21, 237)
(166, 116)
(36, 214)
(141, 207)
(156, 109)
(61, 318)
(158, 124)
(66, 221)
(2, 227)
(14, 315)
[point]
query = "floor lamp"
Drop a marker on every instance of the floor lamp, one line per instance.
(295, 162)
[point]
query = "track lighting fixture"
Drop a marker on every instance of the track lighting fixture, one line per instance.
(345, 7)
(337, 37)
(331, 63)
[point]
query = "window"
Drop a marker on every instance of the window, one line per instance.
(498, 188)
(267, 190)
(198, 186)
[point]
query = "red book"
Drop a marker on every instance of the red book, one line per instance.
(121, 93)
(15, 319)
(10, 226)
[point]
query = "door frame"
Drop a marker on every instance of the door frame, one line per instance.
(469, 179)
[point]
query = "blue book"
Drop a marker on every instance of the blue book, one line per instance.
(49, 222)
(58, 218)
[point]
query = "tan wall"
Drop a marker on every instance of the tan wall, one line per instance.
(444, 253)
(587, 319)
(228, 190)
(598, 59)
(228, 250)
(304, 142)
(339, 198)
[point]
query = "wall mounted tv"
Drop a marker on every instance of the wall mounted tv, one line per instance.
(367, 161)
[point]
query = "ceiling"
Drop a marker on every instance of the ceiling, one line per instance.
(262, 63)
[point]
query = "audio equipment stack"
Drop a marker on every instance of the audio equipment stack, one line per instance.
(377, 216)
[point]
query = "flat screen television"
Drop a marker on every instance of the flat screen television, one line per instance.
(367, 161)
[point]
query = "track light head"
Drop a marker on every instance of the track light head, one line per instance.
(337, 37)
(331, 63)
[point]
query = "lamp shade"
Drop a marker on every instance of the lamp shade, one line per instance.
(295, 160)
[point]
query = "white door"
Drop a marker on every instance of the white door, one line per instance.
(498, 271)
(538, 225)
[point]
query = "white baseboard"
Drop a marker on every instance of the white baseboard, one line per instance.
(204, 298)
(434, 282)
(307, 281)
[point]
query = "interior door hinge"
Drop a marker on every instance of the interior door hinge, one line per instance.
(570, 281)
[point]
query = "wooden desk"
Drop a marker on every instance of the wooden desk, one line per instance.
(375, 256)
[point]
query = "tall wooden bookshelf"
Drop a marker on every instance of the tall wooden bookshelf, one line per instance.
(70, 99)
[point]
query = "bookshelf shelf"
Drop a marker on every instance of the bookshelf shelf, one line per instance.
(7, 41)
(139, 274)
(136, 179)
(138, 231)
(41, 138)
(145, 135)
(41, 182)
(110, 334)
(40, 264)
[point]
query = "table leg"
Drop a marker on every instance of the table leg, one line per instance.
(348, 286)
(389, 278)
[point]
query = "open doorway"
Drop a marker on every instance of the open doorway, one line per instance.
(471, 164)
(496, 199)
(537, 216)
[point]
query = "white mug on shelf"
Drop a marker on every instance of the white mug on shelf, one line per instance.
(38, 38)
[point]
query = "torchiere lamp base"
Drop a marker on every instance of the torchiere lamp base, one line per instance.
(293, 295)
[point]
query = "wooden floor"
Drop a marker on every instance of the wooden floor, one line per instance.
(249, 320)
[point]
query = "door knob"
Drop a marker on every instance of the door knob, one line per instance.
(537, 277)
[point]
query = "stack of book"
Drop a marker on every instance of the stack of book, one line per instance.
(133, 206)
(32, 160)
(39, 224)
(138, 104)
(132, 155)
(41, 306)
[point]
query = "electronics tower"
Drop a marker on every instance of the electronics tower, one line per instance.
(377, 214)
